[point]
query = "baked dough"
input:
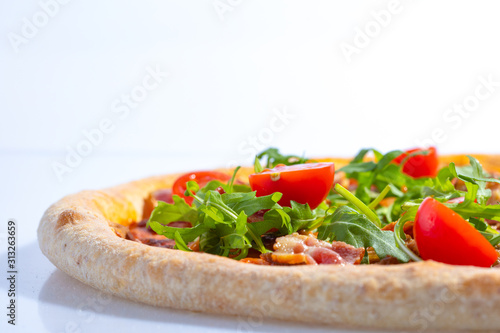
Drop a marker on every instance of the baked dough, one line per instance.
(77, 236)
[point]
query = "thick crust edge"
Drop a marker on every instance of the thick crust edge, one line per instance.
(76, 235)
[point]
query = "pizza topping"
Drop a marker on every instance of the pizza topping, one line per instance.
(221, 220)
(369, 217)
(307, 183)
(272, 158)
(352, 227)
(298, 249)
(443, 235)
(419, 163)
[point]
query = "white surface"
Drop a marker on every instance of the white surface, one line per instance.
(226, 80)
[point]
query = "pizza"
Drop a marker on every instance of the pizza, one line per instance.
(402, 240)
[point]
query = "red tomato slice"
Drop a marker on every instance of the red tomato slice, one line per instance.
(420, 165)
(443, 235)
(201, 177)
(303, 183)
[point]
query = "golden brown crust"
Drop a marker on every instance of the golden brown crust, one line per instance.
(76, 236)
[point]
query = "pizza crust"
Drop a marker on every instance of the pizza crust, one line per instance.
(76, 236)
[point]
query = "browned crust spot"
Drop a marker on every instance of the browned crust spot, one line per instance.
(67, 216)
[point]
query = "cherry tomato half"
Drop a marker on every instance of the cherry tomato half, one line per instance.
(201, 177)
(303, 183)
(419, 165)
(443, 235)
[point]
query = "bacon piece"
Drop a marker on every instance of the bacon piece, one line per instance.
(388, 261)
(298, 249)
(257, 216)
(386, 202)
(166, 243)
(180, 224)
(411, 244)
(139, 232)
(349, 253)
(407, 228)
(390, 226)
(497, 263)
(323, 256)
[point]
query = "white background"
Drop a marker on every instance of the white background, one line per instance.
(229, 72)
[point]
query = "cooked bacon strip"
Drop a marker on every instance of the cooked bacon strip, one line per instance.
(298, 249)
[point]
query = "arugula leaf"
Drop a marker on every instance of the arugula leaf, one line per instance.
(478, 224)
(232, 199)
(230, 183)
(473, 209)
(362, 153)
(371, 173)
(234, 188)
(257, 167)
(358, 167)
(179, 243)
(275, 218)
(476, 180)
(187, 234)
(380, 197)
(273, 157)
(213, 216)
(349, 226)
(290, 219)
(191, 187)
(301, 216)
(257, 203)
(495, 240)
(256, 238)
(400, 236)
(358, 204)
(165, 213)
(442, 182)
(387, 159)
